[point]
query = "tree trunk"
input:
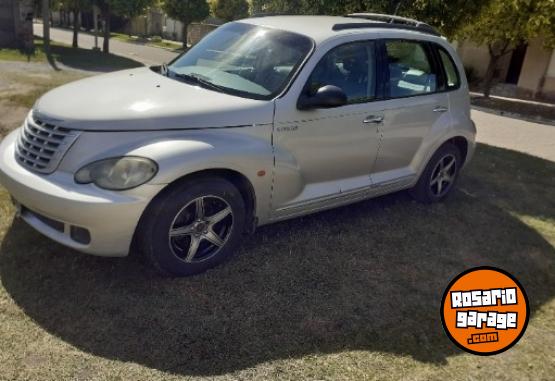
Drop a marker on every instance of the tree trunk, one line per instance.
(397, 7)
(46, 26)
(76, 25)
(490, 72)
(185, 33)
(106, 18)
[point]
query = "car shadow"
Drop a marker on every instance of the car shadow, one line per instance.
(91, 60)
(364, 277)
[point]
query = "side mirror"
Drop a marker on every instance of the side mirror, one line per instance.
(326, 97)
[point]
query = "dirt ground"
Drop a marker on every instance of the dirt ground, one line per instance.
(21, 83)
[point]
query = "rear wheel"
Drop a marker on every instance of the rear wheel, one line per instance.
(192, 226)
(440, 175)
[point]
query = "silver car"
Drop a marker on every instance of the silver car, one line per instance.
(265, 119)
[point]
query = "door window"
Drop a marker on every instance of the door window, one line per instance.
(351, 67)
(410, 69)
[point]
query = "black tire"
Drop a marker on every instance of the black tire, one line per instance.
(174, 206)
(426, 190)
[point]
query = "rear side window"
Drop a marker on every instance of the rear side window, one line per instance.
(410, 69)
(451, 73)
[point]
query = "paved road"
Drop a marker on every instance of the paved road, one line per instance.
(146, 54)
(531, 138)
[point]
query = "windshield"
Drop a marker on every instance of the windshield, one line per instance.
(244, 60)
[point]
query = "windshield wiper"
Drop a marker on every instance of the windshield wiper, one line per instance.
(197, 79)
(164, 70)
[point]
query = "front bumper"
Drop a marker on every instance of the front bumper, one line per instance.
(109, 217)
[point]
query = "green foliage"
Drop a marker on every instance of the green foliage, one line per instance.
(508, 23)
(187, 11)
(229, 10)
(447, 16)
(130, 8)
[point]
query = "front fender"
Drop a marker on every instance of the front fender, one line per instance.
(246, 150)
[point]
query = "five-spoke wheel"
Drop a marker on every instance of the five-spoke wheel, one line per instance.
(439, 176)
(443, 176)
(201, 229)
(192, 226)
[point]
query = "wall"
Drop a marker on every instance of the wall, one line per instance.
(173, 30)
(155, 23)
(537, 77)
(198, 31)
(534, 69)
(477, 57)
(16, 23)
(150, 24)
(548, 90)
(7, 28)
(474, 56)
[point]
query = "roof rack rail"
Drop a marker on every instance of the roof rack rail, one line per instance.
(269, 14)
(365, 25)
(396, 21)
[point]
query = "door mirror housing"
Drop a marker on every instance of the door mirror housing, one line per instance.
(326, 97)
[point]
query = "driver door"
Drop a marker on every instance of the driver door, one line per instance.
(325, 155)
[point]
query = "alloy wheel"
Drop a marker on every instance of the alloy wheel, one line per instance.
(443, 175)
(200, 229)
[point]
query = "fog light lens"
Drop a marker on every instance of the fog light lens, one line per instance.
(80, 235)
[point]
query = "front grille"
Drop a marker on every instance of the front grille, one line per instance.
(41, 145)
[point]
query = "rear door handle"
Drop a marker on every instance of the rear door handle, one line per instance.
(440, 109)
(373, 119)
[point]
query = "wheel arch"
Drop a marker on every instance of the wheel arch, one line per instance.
(462, 145)
(239, 180)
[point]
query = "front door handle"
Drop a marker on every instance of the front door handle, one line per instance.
(440, 109)
(373, 119)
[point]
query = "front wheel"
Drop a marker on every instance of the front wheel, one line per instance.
(439, 176)
(192, 226)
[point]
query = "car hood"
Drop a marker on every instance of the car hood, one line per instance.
(140, 99)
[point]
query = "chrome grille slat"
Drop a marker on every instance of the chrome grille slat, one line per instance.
(37, 152)
(47, 153)
(33, 161)
(28, 131)
(55, 130)
(24, 152)
(42, 145)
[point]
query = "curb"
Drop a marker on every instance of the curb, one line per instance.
(514, 115)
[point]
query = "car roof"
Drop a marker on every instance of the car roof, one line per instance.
(321, 28)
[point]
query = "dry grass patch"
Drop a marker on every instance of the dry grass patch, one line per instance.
(349, 294)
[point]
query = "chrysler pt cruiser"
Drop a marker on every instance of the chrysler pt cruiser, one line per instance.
(265, 119)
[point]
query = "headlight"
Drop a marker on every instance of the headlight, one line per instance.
(119, 173)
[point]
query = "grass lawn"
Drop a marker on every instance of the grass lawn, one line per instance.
(77, 58)
(348, 294)
(25, 78)
(166, 44)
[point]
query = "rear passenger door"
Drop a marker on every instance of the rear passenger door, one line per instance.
(416, 105)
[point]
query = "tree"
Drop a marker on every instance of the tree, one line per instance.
(506, 24)
(126, 8)
(229, 10)
(187, 11)
(45, 10)
(75, 7)
(447, 16)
